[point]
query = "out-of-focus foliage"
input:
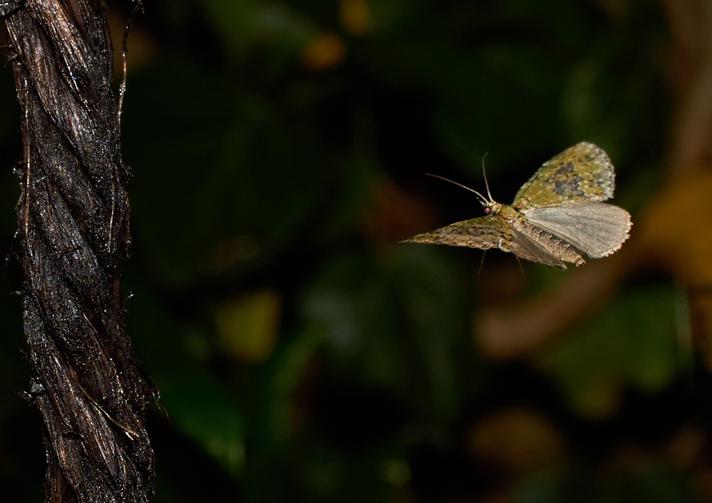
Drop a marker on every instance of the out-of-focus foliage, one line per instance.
(593, 368)
(300, 352)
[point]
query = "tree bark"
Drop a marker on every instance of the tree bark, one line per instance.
(73, 216)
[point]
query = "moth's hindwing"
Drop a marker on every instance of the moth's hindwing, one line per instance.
(597, 229)
(482, 232)
(579, 173)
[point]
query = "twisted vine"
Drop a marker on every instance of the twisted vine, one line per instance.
(73, 217)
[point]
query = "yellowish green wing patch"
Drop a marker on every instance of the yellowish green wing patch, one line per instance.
(580, 173)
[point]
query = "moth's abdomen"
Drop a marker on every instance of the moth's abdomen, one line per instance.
(553, 245)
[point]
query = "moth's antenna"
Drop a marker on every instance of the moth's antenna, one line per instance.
(484, 175)
(483, 199)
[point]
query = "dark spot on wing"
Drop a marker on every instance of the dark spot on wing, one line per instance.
(565, 170)
(565, 181)
(568, 187)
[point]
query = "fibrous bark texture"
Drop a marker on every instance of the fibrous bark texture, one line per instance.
(73, 237)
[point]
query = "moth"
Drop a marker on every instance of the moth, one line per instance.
(557, 217)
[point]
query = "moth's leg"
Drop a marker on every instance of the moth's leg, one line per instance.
(482, 262)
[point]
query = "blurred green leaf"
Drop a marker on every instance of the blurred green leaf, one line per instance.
(200, 408)
(631, 344)
(197, 404)
(213, 183)
(395, 319)
(246, 25)
(610, 111)
(276, 397)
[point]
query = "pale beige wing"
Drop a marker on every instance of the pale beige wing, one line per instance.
(580, 173)
(597, 229)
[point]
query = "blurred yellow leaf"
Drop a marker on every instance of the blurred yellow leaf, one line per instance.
(675, 233)
(247, 326)
(675, 227)
(325, 50)
(356, 16)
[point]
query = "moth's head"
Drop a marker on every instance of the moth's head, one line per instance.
(491, 207)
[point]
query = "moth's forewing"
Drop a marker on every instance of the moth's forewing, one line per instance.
(580, 173)
(597, 229)
(483, 233)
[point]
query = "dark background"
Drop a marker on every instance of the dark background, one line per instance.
(301, 353)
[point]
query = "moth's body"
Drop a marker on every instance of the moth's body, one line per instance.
(551, 244)
(557, 216)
